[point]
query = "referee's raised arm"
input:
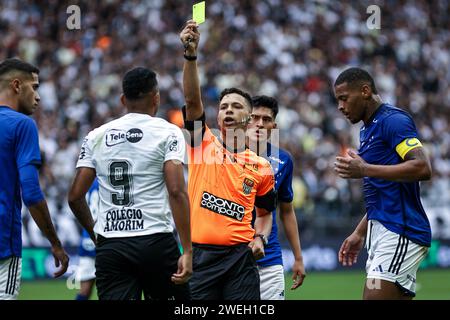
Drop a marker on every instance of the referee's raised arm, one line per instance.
(190, 38)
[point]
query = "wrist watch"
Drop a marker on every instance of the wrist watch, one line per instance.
(263, 238)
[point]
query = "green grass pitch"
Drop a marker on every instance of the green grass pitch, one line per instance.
(431, 284)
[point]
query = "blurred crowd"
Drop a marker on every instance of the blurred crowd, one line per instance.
(290, 49)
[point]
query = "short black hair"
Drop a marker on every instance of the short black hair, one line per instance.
(267, 102)
(356, 76)
(238, 91)
(14, 64)
(138, 82)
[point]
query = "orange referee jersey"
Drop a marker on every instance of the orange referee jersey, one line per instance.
(222, 189)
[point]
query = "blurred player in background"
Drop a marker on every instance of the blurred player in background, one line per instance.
(138, 160)
(391, 161)
(19, 177)
(226, 181)
(85, 272)
(271, 272)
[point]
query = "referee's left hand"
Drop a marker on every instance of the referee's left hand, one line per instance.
(184, 271)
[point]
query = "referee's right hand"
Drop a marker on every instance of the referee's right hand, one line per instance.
(190, 37)
(184, 271)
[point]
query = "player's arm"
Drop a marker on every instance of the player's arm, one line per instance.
(179, 203)
(34, 200)
(27, 156)
(77, 198)
(415, 167)
(289, 221)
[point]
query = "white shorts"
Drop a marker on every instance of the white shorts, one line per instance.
(86, 269)
(10, 273)
(392, 257)
(271, 282)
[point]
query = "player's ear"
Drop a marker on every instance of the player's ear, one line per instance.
(275, 125)
(122, 99)
(15, 85)
(156, 99)
(366, 91)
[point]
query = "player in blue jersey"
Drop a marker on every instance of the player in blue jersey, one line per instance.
(19, 178)
(271, 272)
(391, 161)
(85, 272)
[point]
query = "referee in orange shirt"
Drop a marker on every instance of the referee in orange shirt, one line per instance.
(226, 180)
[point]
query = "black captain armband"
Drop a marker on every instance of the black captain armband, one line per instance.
(267, 201)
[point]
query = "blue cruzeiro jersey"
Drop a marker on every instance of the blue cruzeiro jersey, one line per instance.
(19, 146)
(282, 167)
(87, 246)
(394, 204)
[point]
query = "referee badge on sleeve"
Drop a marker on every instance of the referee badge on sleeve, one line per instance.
(247, 185)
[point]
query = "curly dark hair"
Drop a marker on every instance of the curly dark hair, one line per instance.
(355, 76)
(137, 82)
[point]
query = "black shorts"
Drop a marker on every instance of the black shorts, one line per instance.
(224, 273)
(128, 267)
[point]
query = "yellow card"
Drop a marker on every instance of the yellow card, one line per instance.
(198, 12)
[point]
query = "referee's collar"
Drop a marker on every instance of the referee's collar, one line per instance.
(232, 150)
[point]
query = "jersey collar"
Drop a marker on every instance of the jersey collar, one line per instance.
(377, 111)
